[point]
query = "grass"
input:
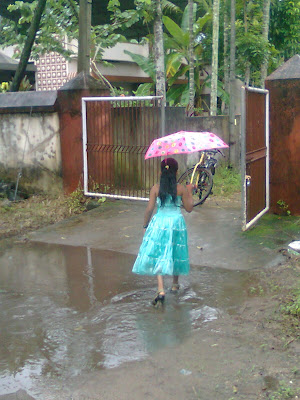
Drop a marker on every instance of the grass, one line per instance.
(292, 306)
(17, 218)
(37, 211)
(274, 230)
(283, 392)
(227, 181)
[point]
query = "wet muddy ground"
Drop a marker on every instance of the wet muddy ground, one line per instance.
(77, 324)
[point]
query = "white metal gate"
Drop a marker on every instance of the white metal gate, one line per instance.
(117, 132)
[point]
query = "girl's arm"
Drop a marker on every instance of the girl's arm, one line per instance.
(187, 198)
(151, 205)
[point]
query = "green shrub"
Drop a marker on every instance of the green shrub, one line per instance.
(226, 181)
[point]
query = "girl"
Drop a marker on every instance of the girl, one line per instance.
(164, 249)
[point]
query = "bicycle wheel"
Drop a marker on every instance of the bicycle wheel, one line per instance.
(203, 180)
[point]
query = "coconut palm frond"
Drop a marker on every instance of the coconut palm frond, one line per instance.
(169, 6)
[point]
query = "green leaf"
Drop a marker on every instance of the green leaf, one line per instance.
(144, 63)
(173, 63)
(202, 21)
(174, 94)
(178, 34)
(145, 89)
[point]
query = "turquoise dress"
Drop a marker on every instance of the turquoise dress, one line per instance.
(164, 250)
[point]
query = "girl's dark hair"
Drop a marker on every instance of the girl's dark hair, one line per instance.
(168, 183)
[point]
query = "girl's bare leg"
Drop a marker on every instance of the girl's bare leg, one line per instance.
(160, 295)
(160, 284)
(175, 286)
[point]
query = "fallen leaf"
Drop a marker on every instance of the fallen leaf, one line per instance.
(78, 328)
(126, 227)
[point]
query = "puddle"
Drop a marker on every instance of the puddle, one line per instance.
(70, 310)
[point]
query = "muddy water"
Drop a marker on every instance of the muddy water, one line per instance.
(69, 310)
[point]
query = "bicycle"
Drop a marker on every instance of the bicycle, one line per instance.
(201, 175)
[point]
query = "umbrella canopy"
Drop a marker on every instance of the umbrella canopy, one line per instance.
(184, 142)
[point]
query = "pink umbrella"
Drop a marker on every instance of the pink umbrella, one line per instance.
(184, 142)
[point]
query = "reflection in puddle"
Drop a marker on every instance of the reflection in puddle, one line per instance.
(69, 310)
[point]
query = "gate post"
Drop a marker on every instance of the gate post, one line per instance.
(70, 118)
(284, 88)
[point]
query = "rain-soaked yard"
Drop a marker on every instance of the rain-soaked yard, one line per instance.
(77, 324)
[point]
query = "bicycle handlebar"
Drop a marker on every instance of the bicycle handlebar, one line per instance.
(214, 151)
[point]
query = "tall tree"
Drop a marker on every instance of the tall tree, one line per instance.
(191, 59)
(226, 52)
(265, 35)
(34, 26)
(232, 78)
(159, 52)
(85, 18)
(247, 62)
(215, 58)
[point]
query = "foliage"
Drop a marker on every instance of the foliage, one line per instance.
(58, 21)
(59, 26)
(4, 87)
(226, 181)
(120, 91)
(293, 305)
(176, 45)
(285, 27)
(24, 86)
(284, 392)
(251, 47)
(284, 208)
(77, 202)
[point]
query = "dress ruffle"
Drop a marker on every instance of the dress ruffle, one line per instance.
(164, 250)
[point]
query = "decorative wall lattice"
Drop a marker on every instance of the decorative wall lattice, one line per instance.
(52, 71)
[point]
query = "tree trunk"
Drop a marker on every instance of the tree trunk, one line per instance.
(247, 63)
(247, 73)
(232, 82)
(34, 26)
(85, 18)
(214, 64)
(226, 51)
(159, 52)
(265, 34)
(191, 59)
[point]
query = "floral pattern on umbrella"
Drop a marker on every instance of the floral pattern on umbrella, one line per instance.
(184, 142)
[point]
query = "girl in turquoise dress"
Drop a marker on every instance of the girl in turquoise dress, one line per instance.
(164, 250)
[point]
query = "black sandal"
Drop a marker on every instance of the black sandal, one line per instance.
(158, 299)
(175, 287)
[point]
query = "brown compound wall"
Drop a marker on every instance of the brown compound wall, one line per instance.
(284, 144)
(70, 118)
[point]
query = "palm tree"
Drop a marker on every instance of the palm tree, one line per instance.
(226, 51)
(232, 77)
(191, 58)
(85, 19)
(215, 53)
(265, 34)
(159, 52)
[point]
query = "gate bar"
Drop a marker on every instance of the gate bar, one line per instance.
(107, 98)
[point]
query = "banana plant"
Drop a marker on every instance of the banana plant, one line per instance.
(176, 44)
